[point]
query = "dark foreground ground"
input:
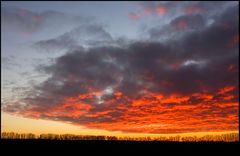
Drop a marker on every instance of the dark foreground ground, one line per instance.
(116, 147)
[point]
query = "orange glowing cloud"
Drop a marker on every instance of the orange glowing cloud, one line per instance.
(226, 89)
(152, 112)
(203, 96)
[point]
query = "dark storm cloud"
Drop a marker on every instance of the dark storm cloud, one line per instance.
(178, 26)
(190, 22)
(203, 60)
(190, 16)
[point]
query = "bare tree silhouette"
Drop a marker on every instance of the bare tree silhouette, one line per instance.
(230, 137)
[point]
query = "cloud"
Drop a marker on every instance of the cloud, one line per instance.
(83, 35)
(187, 22)
(9, 62)
(159, 10)
(187, 83)
(23, 20)
(196, 7)
(26, 23)
(177, 27)
(75, 31)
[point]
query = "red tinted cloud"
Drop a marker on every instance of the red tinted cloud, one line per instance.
(134, 16)
(36, 18)
(23, 12)
(181, 25)
(139, 15)
(161, 10)
(234, 41)
(232, 68)
(193, 10)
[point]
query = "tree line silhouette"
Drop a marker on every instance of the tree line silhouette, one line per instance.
(230, 137)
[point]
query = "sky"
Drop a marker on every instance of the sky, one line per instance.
(120, 67)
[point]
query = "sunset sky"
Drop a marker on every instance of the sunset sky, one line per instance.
(120, 68)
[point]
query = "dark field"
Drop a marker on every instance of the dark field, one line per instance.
(115, 147)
